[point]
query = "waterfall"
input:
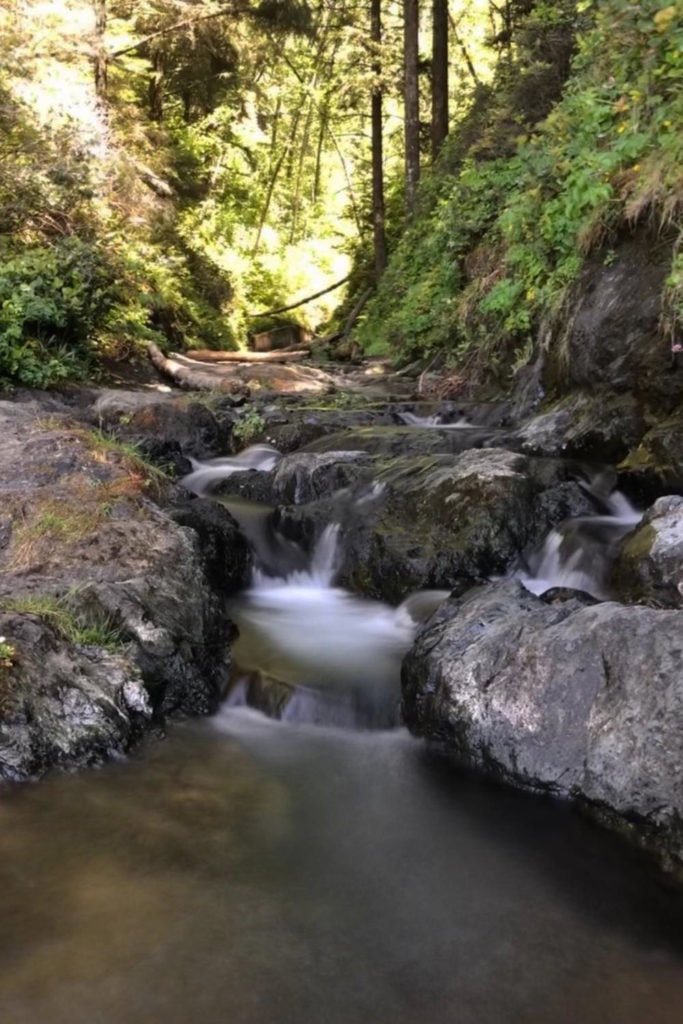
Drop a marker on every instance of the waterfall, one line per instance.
(578, 553)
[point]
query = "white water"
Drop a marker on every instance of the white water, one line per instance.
(578, 553)
(207, 474)
(411, 419)
(303, 630)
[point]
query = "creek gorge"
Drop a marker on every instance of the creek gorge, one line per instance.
(366, 563)
(395, 643)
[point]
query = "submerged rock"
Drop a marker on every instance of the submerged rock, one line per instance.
(577, 701)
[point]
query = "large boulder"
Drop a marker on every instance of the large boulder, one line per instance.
(607, 337)
(167, 429)
(432, 522)
(649, 566)
(89, 560)
(577, 701)
(656, 463)
(584, 425)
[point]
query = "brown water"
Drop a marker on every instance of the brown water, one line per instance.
(256, 872)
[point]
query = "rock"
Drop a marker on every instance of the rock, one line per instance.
(418, 522)
(405, 441)
(440, 520)
(607, 336)
(585, 702)
(649, 566)
(88, 552)
(63, 705)
(600, 428)
(657, 462)
(166, 428)
(225, 553)
(306, 476)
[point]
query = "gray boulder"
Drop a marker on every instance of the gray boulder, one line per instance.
(63, 705)
(577, 701)
(649, 566)
(431, 521)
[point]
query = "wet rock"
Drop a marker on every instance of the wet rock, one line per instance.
(88, 552)
(62, 705)
(306, 476)
(657, 462)
(428, 521)
(167, 428)
(225, 553)
(649, 567)
(577, 701)
(587, 426)
(408, 440)
(293, 428)
(174, 617)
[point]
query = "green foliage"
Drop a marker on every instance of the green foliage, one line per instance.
(249, 427)
(507, 224)
(50, 300)
(7, 654)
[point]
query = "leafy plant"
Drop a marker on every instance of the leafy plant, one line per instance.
(7, 654)
(249, 427)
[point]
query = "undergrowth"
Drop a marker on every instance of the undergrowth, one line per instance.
(494, 254)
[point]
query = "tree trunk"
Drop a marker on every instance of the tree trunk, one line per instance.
(100, 51)
(411, 100)
(379, 234)
(439, 74)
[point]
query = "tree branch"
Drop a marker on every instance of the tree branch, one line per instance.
(224, 12)
(302, 302)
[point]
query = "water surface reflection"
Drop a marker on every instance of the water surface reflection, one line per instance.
(249, 871)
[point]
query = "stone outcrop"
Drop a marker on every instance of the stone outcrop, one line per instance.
(114, 611)
(576, 701)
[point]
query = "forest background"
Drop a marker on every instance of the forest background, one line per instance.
(170, 169)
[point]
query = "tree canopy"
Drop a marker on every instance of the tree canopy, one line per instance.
(168, 168)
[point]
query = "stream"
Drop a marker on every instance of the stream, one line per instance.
(324, 867)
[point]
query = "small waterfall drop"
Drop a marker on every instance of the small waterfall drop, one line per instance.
(207, 474)
(578, 554)
(340, 654)
(411, 419)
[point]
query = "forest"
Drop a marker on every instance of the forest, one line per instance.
(173, 170)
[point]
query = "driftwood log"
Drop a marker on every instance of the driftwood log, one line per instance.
(240, 378)
(194, 377)
(284, 355)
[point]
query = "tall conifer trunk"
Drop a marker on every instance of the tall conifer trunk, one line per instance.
(439, 74)
(100, 53)
(379, 235)
(411, 98)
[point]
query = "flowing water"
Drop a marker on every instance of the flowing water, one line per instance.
(263, 872)
(578, 554)
(251, 871)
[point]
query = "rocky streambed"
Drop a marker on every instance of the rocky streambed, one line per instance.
(117, 581)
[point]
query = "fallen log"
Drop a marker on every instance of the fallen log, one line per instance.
(284, 355)
(193, 378)
(241, 378)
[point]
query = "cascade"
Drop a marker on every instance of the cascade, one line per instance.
(578, 554)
